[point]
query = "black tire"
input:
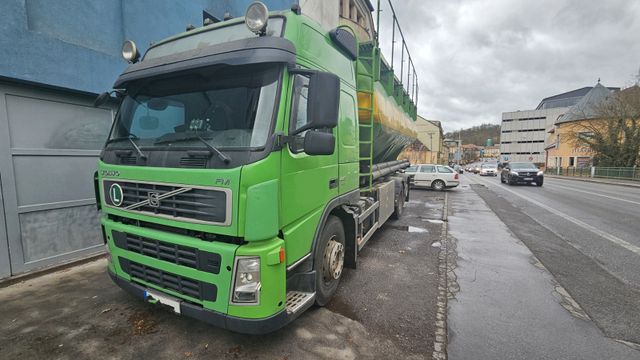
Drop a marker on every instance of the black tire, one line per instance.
(539, 183)
(438, 185)
(398, 208)
(502, 179)
(327, 286)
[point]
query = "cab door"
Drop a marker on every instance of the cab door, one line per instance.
(308, 182)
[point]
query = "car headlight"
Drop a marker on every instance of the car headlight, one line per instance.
(514, 173)
(246, 284)
(540, 173)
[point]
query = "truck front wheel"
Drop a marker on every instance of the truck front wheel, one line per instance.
(329, 260)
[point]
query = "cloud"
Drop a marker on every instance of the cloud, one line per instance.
(476, 59)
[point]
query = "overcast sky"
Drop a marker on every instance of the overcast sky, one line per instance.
(478, 58)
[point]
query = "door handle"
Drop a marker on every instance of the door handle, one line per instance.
(333, 183)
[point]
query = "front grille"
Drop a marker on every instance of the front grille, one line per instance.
(174, 253)
(180, 284)
(193, 162)
(525, 173)
(128, 160)
(179, 202)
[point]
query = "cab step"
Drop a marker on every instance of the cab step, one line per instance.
(296, 301)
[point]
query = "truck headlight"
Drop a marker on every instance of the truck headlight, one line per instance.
(246, 284)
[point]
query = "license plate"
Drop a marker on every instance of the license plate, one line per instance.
(157, 298)
(528, 179)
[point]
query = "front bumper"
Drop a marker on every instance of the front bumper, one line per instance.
(236, 324)
(521, 179)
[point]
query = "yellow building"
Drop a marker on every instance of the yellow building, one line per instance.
(430, 147)
(565, 148)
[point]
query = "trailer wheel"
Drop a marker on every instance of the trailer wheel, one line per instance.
(329, 260)
(398, 208)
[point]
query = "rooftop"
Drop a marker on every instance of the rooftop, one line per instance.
(587, 107)
(567, 99)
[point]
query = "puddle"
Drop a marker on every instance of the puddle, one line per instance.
(411, 229)
(433, 221)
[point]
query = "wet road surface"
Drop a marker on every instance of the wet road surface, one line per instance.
(383, 310)
(509, 306)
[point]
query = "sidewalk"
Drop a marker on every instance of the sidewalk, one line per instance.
(628, 183)
(506, 305)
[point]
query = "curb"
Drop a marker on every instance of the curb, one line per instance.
(441, 336)
(593, 181)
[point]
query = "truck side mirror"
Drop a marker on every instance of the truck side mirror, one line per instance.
(319, 143)
(323, 102)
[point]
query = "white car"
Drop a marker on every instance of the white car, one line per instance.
(437, 177)
(489, 170)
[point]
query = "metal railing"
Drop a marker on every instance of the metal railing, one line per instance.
(622, 173)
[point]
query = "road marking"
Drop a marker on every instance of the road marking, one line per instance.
(596, 194)
(614, 239)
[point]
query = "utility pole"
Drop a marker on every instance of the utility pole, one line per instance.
(459, 146)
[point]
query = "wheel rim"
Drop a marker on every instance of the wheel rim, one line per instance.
(333, 260)
(438, 185)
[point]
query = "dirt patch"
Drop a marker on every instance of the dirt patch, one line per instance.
(143, 323)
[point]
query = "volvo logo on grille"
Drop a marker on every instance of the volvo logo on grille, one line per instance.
(154, 199)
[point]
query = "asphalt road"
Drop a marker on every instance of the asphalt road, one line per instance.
(587, 235)
(383, 310)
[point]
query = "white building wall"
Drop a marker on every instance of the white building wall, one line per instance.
(523, 134)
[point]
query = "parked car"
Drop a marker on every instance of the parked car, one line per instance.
(437, 177)
(521, 173)
(489, 170)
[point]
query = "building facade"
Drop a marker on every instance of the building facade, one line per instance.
(57, 55)
(524, 134)
(430, 147)
(566, 148)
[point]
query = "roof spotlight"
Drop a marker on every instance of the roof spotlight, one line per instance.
(130, 52)
(256, 17)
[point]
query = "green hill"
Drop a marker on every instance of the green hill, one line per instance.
(477, 135)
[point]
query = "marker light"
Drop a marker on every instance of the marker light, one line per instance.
(130, 52)
(256, 17)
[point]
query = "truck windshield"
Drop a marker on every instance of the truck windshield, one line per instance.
(228, 107)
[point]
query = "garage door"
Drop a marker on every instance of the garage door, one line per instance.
(49, 146)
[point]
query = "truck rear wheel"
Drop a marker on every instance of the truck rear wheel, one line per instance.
(329, 260)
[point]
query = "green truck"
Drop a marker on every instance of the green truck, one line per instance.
(249, 162)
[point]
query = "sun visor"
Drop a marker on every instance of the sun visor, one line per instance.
(257, 50)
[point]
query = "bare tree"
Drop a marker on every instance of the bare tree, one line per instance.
(614, 132)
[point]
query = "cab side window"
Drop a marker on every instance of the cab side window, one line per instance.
(299, 111)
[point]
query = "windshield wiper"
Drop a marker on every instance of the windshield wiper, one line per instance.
(224, 157)
(129, 137)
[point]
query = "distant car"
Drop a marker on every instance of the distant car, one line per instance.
(476, 169)
(489, 170)
(521, 173)
(458, 168)
(437, 177)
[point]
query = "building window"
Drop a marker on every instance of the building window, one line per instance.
(572, 161)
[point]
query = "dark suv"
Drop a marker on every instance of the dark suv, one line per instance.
(521, 173)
